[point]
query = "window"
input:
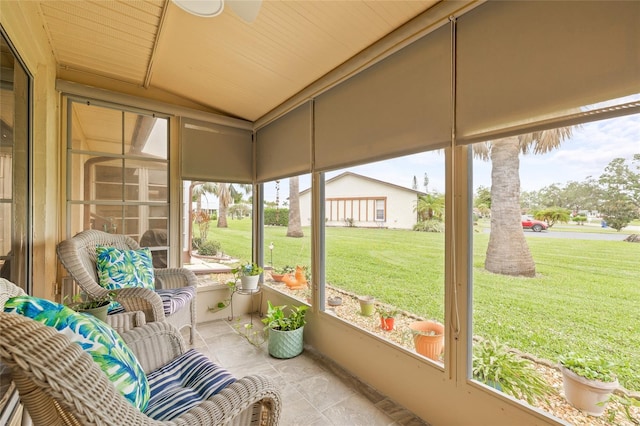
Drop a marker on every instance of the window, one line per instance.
(358, 211)
(380, 210)
(118, 174)
(564, 288)
(392, 251)
(15, 204)
(287, 235)
(219, 232)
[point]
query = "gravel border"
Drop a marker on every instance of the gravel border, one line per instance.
(555, 404)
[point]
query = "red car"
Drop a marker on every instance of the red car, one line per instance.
(535, 225)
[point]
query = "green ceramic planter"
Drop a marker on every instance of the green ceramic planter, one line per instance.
(285, 344)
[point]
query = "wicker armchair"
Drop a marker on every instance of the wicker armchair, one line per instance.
(78, 256)
(60, 384)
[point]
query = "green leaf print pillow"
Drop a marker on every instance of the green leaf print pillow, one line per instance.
(124, 268)
(104, 345)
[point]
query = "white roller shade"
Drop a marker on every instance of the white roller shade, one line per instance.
(522, 62)
(283, 147)
(399, 106)
(215, 153)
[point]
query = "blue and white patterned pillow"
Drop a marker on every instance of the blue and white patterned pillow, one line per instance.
(104, 345)
(124, 268)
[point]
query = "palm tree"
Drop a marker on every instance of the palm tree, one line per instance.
(200, 189)
(294, 229)
(226, 192)
(508, 252)
(223, 191)
(429, 205)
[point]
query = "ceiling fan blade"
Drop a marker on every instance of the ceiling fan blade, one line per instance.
(204, 8)
(246, 9)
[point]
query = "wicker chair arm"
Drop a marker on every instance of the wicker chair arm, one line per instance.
(141, 299)
(126, 321)
(167, 278)
(155, 344)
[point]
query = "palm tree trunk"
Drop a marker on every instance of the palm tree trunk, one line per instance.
(508, 252)
(294, 228)
(224, 199)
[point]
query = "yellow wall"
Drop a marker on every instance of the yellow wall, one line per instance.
(22, 23)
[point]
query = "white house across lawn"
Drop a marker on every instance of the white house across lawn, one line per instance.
(355, 200)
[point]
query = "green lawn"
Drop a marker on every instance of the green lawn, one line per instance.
(585, 298)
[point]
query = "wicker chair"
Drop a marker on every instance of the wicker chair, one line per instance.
(78, 255)
(60, 384)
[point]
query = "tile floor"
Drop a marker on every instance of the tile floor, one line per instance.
(315, 390)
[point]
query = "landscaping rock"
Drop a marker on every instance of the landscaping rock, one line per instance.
(633, 238)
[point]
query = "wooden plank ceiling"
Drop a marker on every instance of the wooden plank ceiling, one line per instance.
(220, 63)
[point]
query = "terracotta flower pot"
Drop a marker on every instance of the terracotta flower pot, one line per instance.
(388, 323)
(428, 337)
(277, 277)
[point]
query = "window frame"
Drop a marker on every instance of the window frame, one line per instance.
(124, 202)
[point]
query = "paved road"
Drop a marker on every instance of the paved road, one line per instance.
(578, 235)
(558, 233)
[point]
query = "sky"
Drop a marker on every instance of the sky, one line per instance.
(589, 150)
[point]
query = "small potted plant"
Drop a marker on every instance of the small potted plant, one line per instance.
(428, 338)
(96, 306)
(367, 305)
(279, 274)
(285, 327)
(496, 366)
(587, 382)
(249, 275)
(387, 317)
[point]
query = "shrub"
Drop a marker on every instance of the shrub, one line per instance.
(431, 225)
(209, 248)
(580, 220)
(282, 216)
(495, 365)
(196, 242)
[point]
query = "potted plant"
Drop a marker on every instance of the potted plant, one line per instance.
(387, 317)
(367, 307)
(587, 382)
(285, 328)
(249, 275)
(279, 274)
(96, 306)
(428, 337)
(496, 366)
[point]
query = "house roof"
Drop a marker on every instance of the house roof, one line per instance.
(377, 181)
(222, 64)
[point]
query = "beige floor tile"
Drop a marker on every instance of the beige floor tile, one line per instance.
(315, 391)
